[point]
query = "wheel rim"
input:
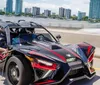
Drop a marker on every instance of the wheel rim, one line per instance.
(13, 73)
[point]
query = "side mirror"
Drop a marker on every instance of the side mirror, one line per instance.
(58, 37)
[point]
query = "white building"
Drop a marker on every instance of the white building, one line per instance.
(67, 13)
(35, 11)
(61, 12)
(27, 10)
(47, 13)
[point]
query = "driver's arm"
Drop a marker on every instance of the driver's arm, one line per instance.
(3, 50)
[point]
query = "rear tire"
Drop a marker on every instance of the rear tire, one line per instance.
(18, 71)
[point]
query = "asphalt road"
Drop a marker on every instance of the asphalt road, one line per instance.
(94, 81)
(75, 36)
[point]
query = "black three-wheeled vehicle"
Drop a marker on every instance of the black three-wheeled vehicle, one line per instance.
(36, 57)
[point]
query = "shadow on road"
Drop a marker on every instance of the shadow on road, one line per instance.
(2, 79)
(80, 82)
(86, 81)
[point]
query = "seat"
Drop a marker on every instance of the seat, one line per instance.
(28, 37)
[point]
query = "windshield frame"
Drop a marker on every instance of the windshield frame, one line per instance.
(54, 39)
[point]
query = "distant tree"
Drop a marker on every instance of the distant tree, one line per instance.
(23, 13)
(30, 14)
(42, 14)
(2, 12)
(85, 18)
(74, 17)
(94, 20)
(13, 13)
(53, 16)
(57, 16)
(7, 13)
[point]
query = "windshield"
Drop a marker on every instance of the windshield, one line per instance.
(29, 35)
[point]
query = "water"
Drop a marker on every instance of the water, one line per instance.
(88, 27)
(48, 21)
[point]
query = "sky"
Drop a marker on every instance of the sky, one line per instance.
(74, 5)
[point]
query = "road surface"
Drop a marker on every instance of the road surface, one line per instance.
(94, 81)
(75, 36)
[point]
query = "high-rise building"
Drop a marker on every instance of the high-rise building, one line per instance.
(47, 13)
(27, 10)
(61, 12)
(94, 11)
(36, 11)
(67, 13)
(81, 15)
(9, 6)
(18, 8)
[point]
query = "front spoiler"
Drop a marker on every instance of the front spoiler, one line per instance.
(82, 77)
(54, 82)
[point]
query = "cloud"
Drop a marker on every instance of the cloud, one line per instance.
(87, 2)
(80, 5)
(43, 6)
(2, 4)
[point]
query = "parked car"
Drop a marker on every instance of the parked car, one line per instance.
(37, 57)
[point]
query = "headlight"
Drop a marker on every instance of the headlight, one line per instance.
(44, 62)
(46, 65)
(71, 59)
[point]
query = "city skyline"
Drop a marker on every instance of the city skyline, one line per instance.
(79, 5)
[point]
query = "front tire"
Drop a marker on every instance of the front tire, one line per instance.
(18, 72)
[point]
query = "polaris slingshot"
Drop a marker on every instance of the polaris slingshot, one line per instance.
(36, 57)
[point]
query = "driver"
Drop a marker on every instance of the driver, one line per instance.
(3, 46)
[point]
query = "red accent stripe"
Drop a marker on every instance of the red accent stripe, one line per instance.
(60, 56)
(38, 54)
(46, 82)
(89, 49)
(88, 52)
(44, 67)
(35, 53)
(57, 54)
(70, 51)
(91, 58)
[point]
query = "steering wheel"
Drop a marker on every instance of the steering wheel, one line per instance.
(40, 37)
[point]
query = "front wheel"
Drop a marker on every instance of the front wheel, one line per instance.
(18, 72)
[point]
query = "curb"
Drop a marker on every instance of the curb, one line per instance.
(97, 56)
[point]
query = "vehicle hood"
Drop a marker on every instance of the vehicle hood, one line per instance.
(51, 50)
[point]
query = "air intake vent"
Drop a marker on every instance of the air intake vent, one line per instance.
(55, 47)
